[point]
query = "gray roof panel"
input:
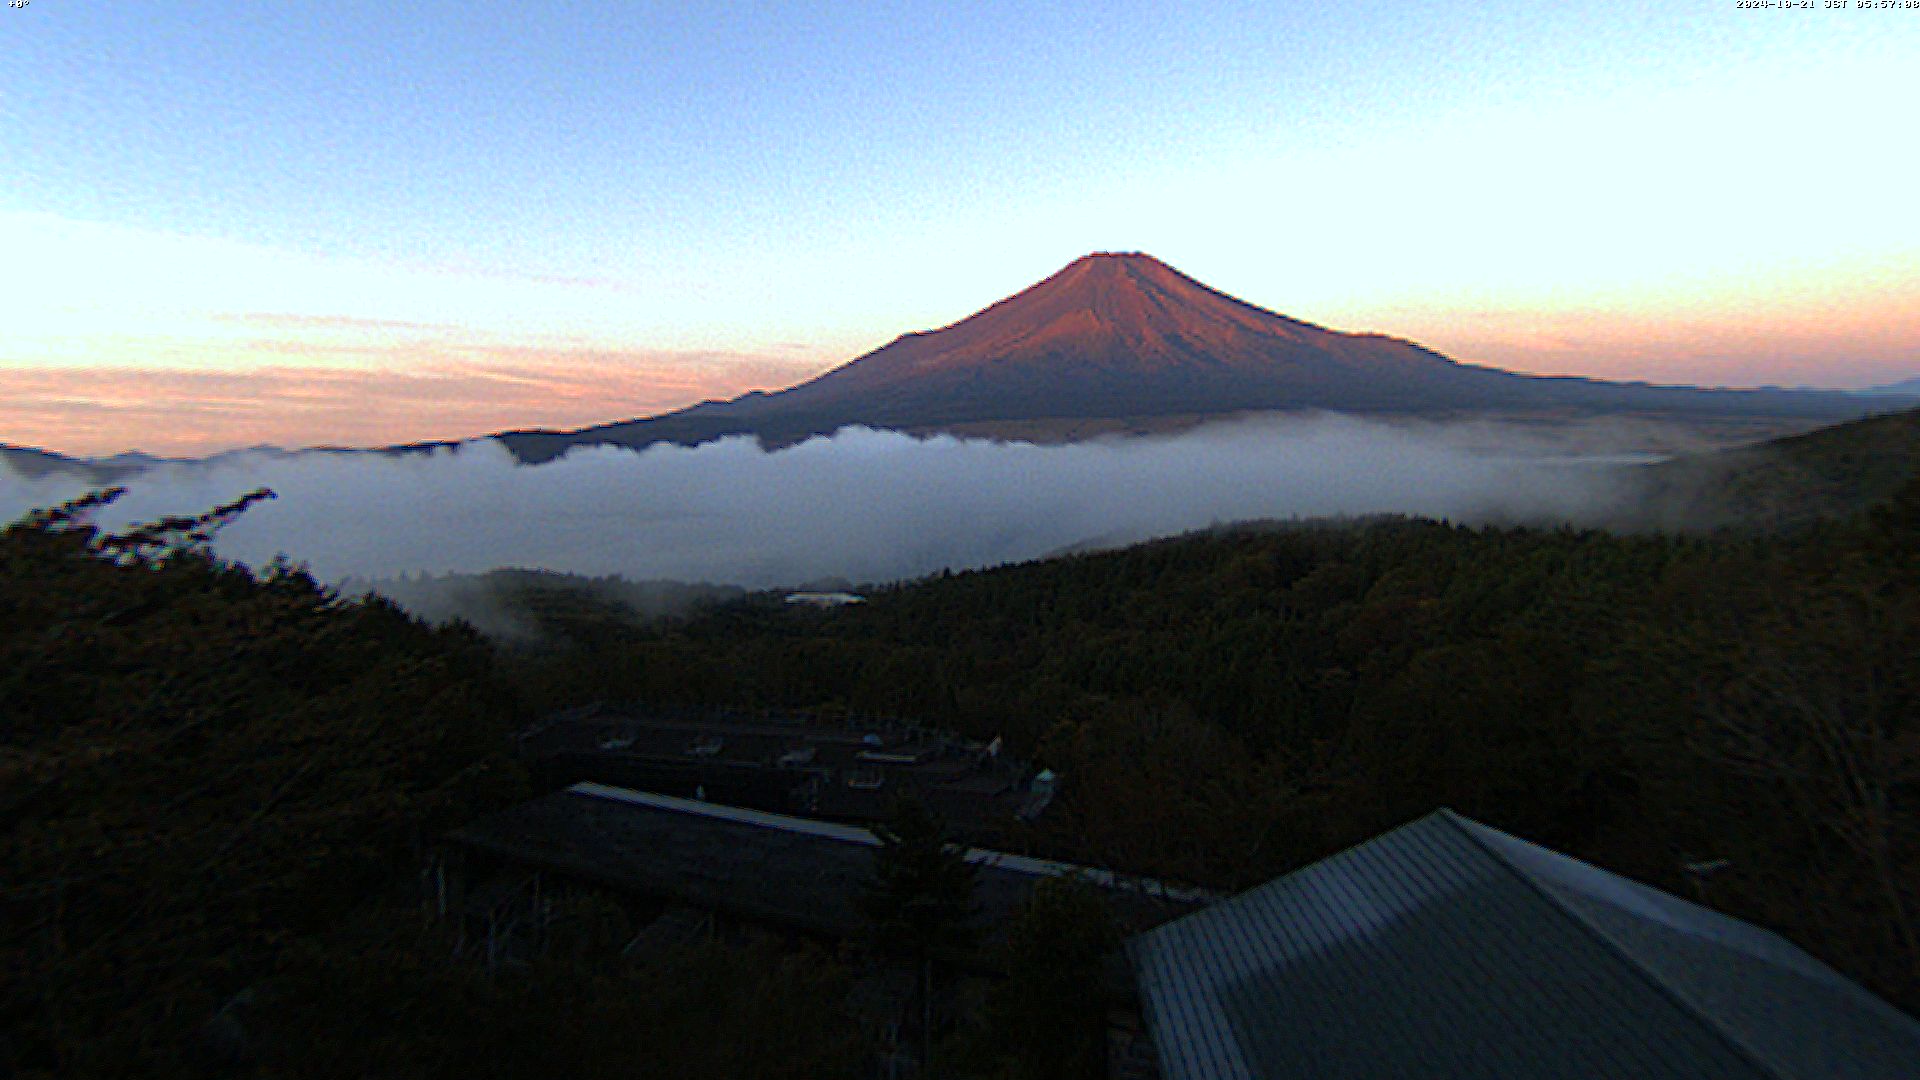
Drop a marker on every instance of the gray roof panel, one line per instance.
(1809, 1020)
(1447, 949)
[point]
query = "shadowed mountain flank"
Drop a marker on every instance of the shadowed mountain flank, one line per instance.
(1125, 335)
(1782, 483)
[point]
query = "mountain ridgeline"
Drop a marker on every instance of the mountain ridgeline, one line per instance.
(1782, 484)
(1127, 336)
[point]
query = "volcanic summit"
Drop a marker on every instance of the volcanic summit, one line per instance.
(1124, 335)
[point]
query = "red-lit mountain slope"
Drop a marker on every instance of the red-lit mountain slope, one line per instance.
(1125, 335)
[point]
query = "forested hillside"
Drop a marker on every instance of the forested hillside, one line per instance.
(1781, 483)
(1230, 705)
(216, 781)
(526, 605)
(215, 785)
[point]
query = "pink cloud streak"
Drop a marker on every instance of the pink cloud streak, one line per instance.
(452, 394)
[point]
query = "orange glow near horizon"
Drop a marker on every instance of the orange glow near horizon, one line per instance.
(1839, 331)
(315, 380)
(255, 226)
(304, 380)
(124, 339)
(192, 412)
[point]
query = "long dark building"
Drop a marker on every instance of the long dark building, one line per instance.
(850, 771)
(748, 865)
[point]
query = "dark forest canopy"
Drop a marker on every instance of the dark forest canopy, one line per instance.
(216, 780)
(1233, 704)
(216, 784)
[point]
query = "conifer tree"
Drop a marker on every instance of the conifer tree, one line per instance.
(1047, 1018)
(919, 902)
(920, 898)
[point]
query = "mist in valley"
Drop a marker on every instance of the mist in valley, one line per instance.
(860, 505)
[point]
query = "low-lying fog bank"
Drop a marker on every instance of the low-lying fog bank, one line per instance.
(861, 505)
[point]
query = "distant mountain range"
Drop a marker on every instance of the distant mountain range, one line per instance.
(32, 462)
(1125, 335)
(1124, 342)
(1904, 388)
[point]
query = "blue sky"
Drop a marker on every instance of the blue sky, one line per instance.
(693, 199)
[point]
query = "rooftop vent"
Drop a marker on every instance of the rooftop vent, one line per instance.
(900, 755)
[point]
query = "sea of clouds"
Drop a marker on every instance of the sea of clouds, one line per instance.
(863, 505)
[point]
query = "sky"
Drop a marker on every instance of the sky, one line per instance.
(230, 224)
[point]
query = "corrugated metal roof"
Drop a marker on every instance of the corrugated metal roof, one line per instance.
(1810, 1021)
(1448, 949)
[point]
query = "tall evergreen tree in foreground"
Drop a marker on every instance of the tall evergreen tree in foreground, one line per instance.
(1047, 1019)
(920, 898)
(919, 901)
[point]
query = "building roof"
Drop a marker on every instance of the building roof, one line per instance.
(761, 866)
(851, 771)
(826, 599)
(1449, 949)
